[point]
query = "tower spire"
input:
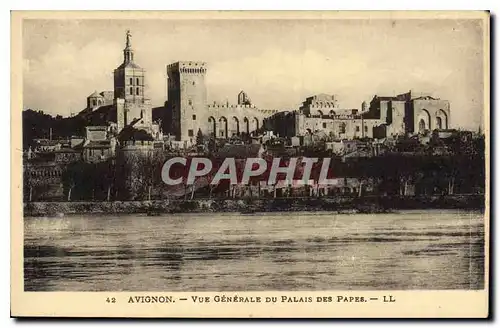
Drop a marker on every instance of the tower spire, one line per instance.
(128, 53)
(128, 44)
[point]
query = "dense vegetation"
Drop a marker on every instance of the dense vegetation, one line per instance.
(139, 177)
(458, 170)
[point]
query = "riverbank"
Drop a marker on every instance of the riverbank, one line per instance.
(341, 204)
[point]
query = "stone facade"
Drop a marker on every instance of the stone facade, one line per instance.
(320, 105)
(128, 100)
(187, 98)
(227, 120)
(99, 144)
(187, 110)
(187, 101)
(429, 114)
(98, 99)
(385, 116)
(134, 113)
(132, 106)
(411, 112)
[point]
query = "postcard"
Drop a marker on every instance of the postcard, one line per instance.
(250, 164)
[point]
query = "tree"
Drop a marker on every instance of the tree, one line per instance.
(31, 181)
(199, 138)
(212, 144)
(74, 176)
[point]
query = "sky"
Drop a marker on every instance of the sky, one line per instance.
(277, 62)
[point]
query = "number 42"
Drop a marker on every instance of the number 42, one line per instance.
(110, 300)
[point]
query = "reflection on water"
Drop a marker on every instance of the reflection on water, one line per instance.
(277, 251)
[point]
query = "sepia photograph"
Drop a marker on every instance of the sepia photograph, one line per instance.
(244, 152)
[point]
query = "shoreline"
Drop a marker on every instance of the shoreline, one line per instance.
(340, 204)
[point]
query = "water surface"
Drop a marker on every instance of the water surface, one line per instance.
(274, 251)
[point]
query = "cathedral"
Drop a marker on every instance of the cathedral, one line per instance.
(128, 100)
(186, 112)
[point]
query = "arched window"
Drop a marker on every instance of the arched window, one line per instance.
(137, 81)
(131, 90)
(439, 123)
(137, 91)
(131, 81)
(421, 126)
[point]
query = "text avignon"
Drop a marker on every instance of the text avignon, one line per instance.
(151, 299)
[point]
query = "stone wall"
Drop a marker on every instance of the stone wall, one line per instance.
(342, 203)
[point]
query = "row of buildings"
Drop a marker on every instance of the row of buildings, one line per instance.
(127, 124)
(188, 111)
(407, 113)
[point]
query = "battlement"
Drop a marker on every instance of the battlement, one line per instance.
(214, 106)
(193, 67)
(323, 104)
(321, 101)
(268, 111)
(338, 117)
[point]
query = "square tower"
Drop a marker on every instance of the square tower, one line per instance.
(187, 99)
(132, 106)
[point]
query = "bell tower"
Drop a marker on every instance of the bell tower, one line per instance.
(128, 52)
(129, 77)
(129, 84)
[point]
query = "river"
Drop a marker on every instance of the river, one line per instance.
(432, 249)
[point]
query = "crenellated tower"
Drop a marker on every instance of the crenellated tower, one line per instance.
(187, 99)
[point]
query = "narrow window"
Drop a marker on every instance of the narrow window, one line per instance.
(190, 133)
(421, 126)
(194, 117)
(366, 128)
(137, 91)
(131, 90)
(324, 125)
(131, 81)
(357, 128)
(439, 122)
(137, 81)
(190, 102)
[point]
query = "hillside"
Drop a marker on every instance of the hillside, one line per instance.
(37, 124)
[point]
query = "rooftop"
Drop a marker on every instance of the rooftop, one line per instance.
(95, 94)
(98, 144)
(129, 64)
